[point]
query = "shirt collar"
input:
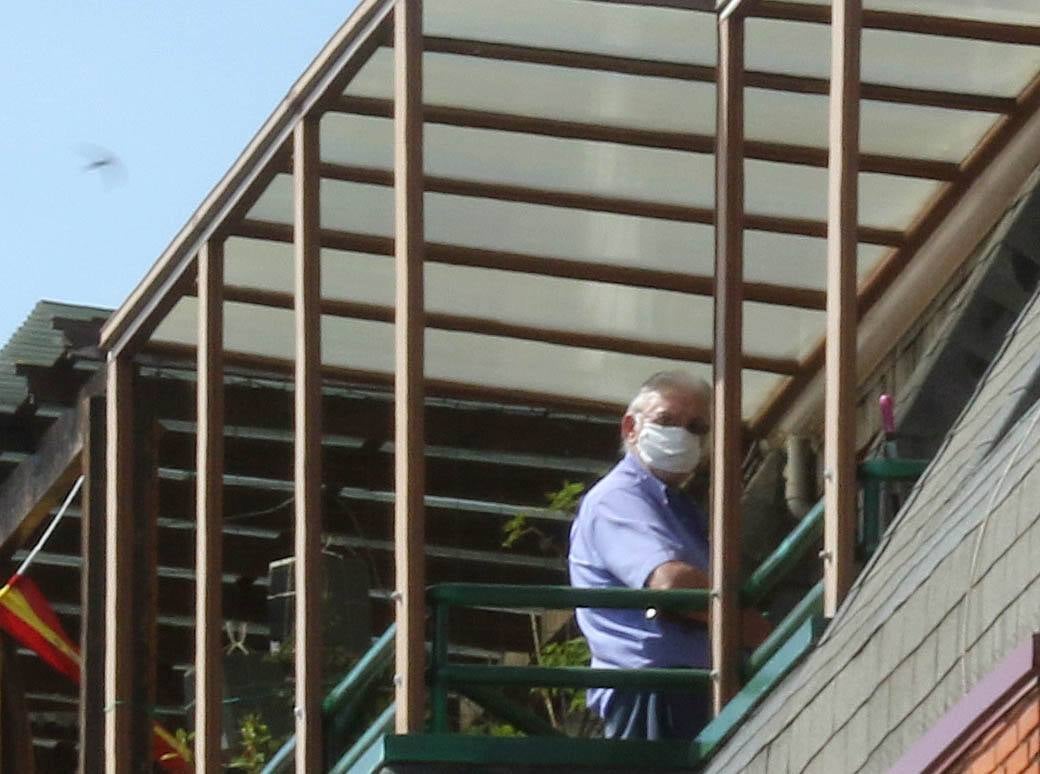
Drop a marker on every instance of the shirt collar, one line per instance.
(645, 478)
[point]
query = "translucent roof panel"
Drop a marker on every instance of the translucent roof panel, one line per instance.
(577, 25)
(1005, 11)
(667, 104)
(366, 347)
(895, 58)
(561, 304)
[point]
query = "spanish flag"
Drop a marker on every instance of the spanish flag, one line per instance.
(26, 615)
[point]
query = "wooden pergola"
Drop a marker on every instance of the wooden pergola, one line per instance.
(580, 194)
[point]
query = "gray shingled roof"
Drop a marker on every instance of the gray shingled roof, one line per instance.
(953, 589)
(37, 342)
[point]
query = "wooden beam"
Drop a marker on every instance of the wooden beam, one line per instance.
(840, 485)
(598, 203)
(32, 490)
(144, 578)
(784, 153)
(492, 327)
(757, 79)
(726, 414)
(16, 748)
(209, 498)
(308, 568)
(92, 588)
(169, 353)
(917, 23)
(353, 43)
(409, 385)
(119, 562)
(549, 266)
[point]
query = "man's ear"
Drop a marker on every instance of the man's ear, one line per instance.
(628, 428)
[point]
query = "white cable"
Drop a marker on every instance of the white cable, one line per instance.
(978, 543)
(50, 529)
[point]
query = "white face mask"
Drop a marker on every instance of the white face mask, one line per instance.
(668, 449)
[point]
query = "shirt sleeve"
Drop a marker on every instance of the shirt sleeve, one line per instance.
(632, 538)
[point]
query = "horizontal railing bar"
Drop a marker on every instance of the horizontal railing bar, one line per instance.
(563, 597)
(810, 605)
(893, 469)
(787, 554)
(574, 677)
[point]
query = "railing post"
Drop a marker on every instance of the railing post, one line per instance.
(842, 221)
(409, 401)
(726, 416)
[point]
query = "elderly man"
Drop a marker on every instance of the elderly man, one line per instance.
(636, 529)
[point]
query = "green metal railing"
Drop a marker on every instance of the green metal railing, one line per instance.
(763, 669)
(445, 676)
(342, 704)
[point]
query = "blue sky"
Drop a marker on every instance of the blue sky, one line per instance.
(174, 90)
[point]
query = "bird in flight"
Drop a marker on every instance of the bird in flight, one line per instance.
(104, 162)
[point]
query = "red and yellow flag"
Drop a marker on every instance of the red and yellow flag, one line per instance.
(26, 615)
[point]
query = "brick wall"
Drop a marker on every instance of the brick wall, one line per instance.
(1011, 745)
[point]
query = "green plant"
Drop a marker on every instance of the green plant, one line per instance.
(564, 500)
(256, 745)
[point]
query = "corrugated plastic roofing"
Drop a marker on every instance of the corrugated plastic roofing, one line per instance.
(570, 186)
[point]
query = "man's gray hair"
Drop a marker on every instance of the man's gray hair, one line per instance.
(667, 381)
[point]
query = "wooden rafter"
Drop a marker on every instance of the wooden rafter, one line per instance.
(549, 266)
(756, 79)
(492, 327)
(779, 224)
(644, 138)
(918, 23)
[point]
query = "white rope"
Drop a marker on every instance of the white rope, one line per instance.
(50, 529)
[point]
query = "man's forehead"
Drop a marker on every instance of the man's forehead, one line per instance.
(677, 399)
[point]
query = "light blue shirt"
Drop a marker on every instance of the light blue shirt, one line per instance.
(629, 524)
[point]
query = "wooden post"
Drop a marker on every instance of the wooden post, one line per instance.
(842, 220)
(16, 747)
(92, 589)
(309, 573)
(209, 509)
(144, 584)
(409, 328)
(118, 564)
(726, 416)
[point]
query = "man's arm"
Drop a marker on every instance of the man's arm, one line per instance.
(680, 575)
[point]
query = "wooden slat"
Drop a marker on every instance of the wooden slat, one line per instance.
(92, 589)
(119, 565)
(726, 414)
(647, 138)
(409, 436)
(209, 509)
(840, 404)
(492, 327)
(549, 266)
(308, 568)
(705, 74)
(613, 204)
(918, 23)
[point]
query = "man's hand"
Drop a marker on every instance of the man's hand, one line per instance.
(680, 575)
